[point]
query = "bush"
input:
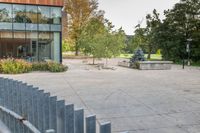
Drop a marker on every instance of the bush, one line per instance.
(56, 67)
(14, 66)
(39, 66)
(49, 66)
(137, 56)
(17, 66)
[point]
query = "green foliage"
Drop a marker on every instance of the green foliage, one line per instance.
(170, 35)
(49, 66)
(17, 66)
(137, 56)
(158, 52)
(68, 45)
(14, 66)
(140, 39)
(80, 12)
(56, 67)
(39, 66)
(196, 63)
(98, 39)
(143, 36)
(129, 46)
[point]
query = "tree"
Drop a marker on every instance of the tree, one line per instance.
(139, 39)
(153, 22)
(138, 56)
(67, 45)
(182, 22)
(100, 40)
(79, 13)
(143, 37)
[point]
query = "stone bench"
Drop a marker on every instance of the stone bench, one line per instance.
(155, 65)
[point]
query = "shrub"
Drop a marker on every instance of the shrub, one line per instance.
(14, 66)
(17, 66)
(48, 66)
(39, 66)
(56, 67)
(137, 56)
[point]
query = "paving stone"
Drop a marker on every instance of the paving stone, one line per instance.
(133, 100)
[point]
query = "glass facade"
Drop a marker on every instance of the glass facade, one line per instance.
(30, 32)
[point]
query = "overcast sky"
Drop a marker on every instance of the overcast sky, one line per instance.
(128, 13)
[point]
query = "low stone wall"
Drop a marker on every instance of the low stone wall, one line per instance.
(155, 65)
(124, 64)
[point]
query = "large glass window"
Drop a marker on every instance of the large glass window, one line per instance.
(31, 40)
(30, 32)
(56, 15)
(19, 14)
(5, 13)
(44, 15)
(31, 14)
(44, 46)
(6, 16)
(20, 49)
(6, 49)
(31, 18)
(19, 17)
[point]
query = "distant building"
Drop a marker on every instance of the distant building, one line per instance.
(31, 29)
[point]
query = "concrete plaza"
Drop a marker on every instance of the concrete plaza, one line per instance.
(158, 101)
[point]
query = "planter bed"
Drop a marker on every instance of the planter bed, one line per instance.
(155, 65)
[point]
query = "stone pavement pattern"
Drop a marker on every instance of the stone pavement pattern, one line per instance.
(135, 101)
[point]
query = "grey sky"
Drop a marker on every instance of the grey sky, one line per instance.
(128, 13)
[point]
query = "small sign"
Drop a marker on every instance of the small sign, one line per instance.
(188, 48)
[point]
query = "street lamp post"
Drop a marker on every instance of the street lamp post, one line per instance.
(188, 50)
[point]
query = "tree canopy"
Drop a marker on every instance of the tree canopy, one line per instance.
(181, 23)
(100, 40)
(79, 13)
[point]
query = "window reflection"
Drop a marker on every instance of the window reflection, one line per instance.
(31, 41)
(5, 13)
(44, 46)
(20, 49)
(56, 15)
(30, 32)
(6, 34)
(31, 14)
(19, 14)
(44, 15)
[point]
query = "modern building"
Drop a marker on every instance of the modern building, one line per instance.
(31, 29)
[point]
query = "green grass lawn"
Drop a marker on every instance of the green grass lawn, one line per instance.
(196, 64)
(125, 56)
(153, 56)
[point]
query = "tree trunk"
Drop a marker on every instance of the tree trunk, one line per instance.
(106, 62)
(76, 48)
(93, 60)
(149, 53)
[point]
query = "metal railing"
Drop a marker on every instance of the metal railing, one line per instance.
(26, 109)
